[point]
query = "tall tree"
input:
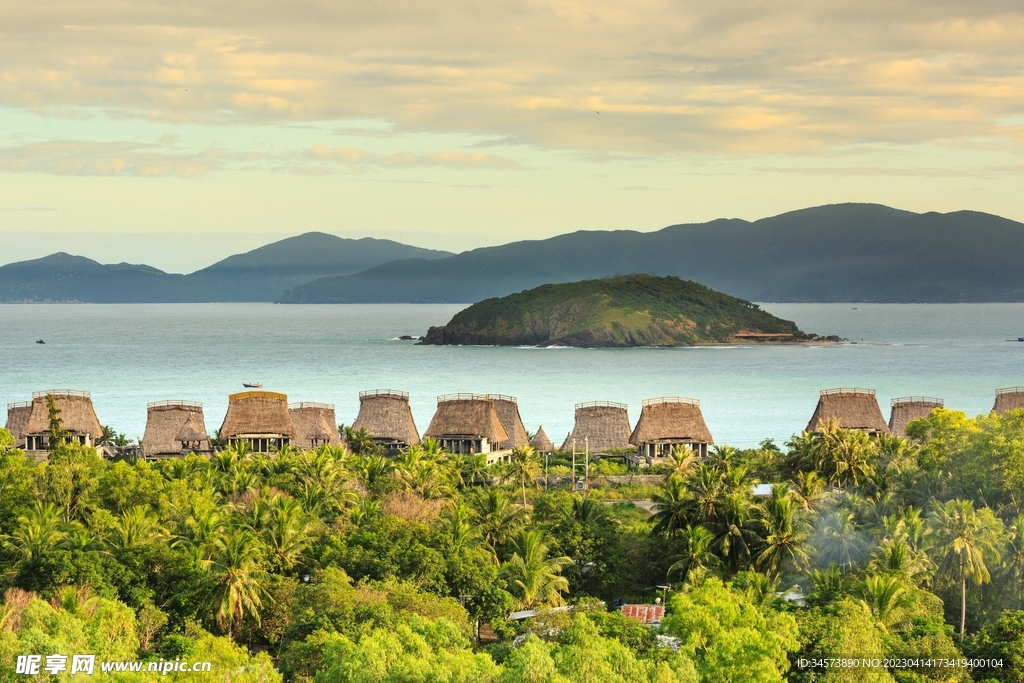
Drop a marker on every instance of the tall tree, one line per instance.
(535, 578)
(524, 465)
(965, 541)
(241, 580)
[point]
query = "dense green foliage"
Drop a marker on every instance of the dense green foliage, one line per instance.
(336, 566)
(630, 310)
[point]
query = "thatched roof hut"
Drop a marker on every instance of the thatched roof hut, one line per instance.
(1010, 398)
(260, 418)
(601, 426)
(851, 408)
(315, 425)
(909, 408)
(17, 416)
(77, 415)
(468, 423)
(174, 429)
(387, 418)
(507, 408)
(667, 422)
(541, 442)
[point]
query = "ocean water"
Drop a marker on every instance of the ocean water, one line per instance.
(131, 354)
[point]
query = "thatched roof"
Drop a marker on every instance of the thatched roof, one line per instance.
(851, 408)
(603, 425)
(671, 419)
(468, 415)
(315, 424)
(77, 414)
(1010, 398)
(540, 440)
(909, 408)
(17, 416)
(258, 414)
(386, 416)
(507, 408)
(169, 424)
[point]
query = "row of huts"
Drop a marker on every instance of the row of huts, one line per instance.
(487, 424)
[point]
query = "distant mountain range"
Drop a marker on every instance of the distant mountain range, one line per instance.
(844, 252)
(259, 275)
(841, 252)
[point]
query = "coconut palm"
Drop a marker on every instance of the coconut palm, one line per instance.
(707, 491)
(786, 533)
(524, 465)
(811, 490)
(288, 531)
(888, 599)
(896, 556)
(696, 556)
(239, 593)
(839, 540)
(534, 578)
(586, 510)
(497, 517)
(737, 529)
(136, 528)
(1013, 562)
(672, 506)
(40, 530)
(457, 527)
(682, 460)
(965, 541)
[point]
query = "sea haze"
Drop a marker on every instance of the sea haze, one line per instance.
(130, 354)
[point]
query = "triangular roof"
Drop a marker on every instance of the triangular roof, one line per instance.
(77, 414)
(258, 413)
(385, 415)
(540, 440)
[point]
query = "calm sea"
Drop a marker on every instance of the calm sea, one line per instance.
(128, 355)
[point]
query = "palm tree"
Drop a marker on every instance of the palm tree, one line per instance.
(236, 567)
(136, 528)
(672, 506)
(457, 527)
(288, 531)
(524, 465)
(497, 517)
(897, 556)
(39, 531)
(533, 577)
(586, 510)
(965, 541)
(696, 556)
(888, 599)
(811, 489)
(737, 529)
(707, 490)
(1013, 563)
(682, 460)
(786, 533)
(839, 540)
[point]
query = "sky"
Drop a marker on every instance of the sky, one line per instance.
(178, 132)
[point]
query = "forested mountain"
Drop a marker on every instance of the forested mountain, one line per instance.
(258, 275)
(629, 310)
(845, 252)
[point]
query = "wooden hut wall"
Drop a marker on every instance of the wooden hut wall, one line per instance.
(257, 413)
(852, 409)
(467, 417)
(387, 417)
(508, 412)
(170, 426)
(17, 417)
(315, 425)
(77, 414)
(906, 411)
(1009, 399)
(670, 420)
(604, 427)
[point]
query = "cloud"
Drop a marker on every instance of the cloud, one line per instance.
(163, 158)
(668, 76)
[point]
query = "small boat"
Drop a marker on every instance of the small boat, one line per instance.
(40, 341)
(1018, 339)
(252, 385)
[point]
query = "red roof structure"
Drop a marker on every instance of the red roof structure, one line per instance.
(650, 615)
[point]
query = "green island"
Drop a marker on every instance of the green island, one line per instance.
(344, 564)
(620, 311)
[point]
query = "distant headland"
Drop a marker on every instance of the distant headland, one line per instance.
(621, 311)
